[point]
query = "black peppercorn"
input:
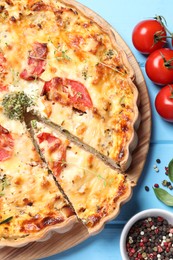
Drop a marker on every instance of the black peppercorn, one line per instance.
(147, 188)
(158, 161)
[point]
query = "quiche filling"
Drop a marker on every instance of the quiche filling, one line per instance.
(61, 66)
(82, 176)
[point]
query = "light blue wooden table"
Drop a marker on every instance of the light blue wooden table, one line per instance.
(123, 15)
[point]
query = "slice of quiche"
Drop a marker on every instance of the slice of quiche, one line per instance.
(94, 189)
(31, 205)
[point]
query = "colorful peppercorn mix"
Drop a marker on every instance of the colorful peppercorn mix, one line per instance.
(150, 239)
(167, 184)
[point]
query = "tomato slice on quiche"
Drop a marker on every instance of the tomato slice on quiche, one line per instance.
(36, 61)
(56, 150)
(6, 144)
(68, 92)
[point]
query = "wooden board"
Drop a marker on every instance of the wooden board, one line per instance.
(61, 242)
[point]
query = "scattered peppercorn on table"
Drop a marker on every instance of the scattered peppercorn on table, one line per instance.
(123, 16)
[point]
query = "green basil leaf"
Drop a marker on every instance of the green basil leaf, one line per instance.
(164, 196)
(170, 170)
(6, 220)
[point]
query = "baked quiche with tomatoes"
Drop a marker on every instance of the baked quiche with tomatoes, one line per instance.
(82, 176)
(68, 120)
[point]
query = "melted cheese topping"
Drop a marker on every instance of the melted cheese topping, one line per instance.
(94, 189)
(78, 49)
(28, 193)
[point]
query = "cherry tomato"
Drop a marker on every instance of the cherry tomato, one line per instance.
(148, 36)
(164, 103)
(159, 66)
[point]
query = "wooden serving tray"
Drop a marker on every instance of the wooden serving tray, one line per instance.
(61, 242)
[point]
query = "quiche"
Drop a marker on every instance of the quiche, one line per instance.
(31, 204)
(94, 189)
(68, 120)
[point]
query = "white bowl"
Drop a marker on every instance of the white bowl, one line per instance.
(141, 215)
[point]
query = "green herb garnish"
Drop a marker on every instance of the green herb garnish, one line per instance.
(15, 75)
(79, 94)
(110, 54)
(63, 162)
(15, 105)
(102, 178)
(85, 74)
(65, 56)
(106, 182)
(4, 183)
(6, 220)
(164, 196)
(34, 124)
(122, 100)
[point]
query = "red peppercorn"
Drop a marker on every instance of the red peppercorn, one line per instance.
(169, 244)
(167, 249)
(156, 231)
(141, 244)
(159, 249)
(131, 254)
(160, 219)
(171, 230)
(145, 239)
(128, 245)
(139, 256)
(156, 185)
(133, 250)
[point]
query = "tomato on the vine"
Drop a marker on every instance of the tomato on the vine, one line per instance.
(159, 66)
(149, 35)
(164, 103)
